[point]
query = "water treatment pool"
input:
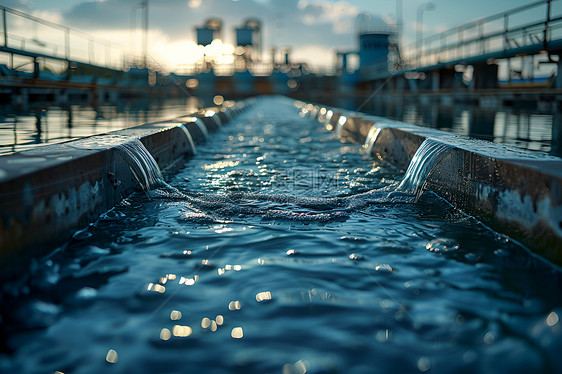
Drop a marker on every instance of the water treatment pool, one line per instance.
(279, 249)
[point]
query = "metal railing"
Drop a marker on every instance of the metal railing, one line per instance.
(529, 25)
(30, 35)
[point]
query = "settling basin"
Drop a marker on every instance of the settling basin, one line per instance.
(280, 249)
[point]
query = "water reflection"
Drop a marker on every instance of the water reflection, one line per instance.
(263, 296)
(234, 305)
(112, 357)
(24, 128)
(38, 127)
(181, 331)
(518, 125)
(237, 333)
(175, 315)
(156, 288)
(165, 334)
(552, 319)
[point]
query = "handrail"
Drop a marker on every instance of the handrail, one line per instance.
(540, 28)
(496, 34)
(70, 37)
(52, 24)
(496, 16)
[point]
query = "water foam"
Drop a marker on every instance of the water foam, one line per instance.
(216, 207)
(286, 206)
(281, 206)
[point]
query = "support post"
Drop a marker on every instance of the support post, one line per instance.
(107, 56)
(145, 40)
(556, 143)
(505, 30)
(67, 43)
(558, 82)
(482, 41)
(435, 80)
(485, 76)
(547, 25)
(91, 55)
(5, 25)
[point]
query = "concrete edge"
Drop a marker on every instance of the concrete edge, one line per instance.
(514, 191)
(48, 193)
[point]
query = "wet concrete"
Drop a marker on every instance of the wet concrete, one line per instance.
(48, 193)
(514, 191)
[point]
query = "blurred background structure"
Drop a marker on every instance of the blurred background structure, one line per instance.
(496, 61)
(498, 51)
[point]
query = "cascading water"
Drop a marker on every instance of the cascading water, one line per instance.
(209, 206)
(429, 153)
(228, 116)
(322, 209)
(372, 137)
(142, 164)
(328, 118)
(215, 118)
(190, 139)
(341, 123)
(392, 288)
(202, 127)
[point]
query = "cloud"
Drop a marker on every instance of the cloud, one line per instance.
(340, 14)
(194, 3)
(94, 15)
(55, 17)
(295, 23)
(441, 28)
(22, 5)
(176, 53)
(178, 18)
(418, 27)
(315, 55)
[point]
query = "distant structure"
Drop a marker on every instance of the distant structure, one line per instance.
(212, 30)
(378, 45)
(248, 38)
(377, 42)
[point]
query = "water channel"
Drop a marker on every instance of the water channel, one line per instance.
(280, 249)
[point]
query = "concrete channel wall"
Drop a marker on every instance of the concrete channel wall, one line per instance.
(514, 191)
(48, 193)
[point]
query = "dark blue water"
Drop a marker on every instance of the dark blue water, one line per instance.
(279, 249)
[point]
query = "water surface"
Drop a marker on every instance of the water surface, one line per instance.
(280, 249)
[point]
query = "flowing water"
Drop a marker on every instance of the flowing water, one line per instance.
(142, 164)
(279, 249)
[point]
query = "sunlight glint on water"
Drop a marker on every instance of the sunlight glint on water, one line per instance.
(278, 249)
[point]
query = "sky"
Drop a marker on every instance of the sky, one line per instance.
(312, 29)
